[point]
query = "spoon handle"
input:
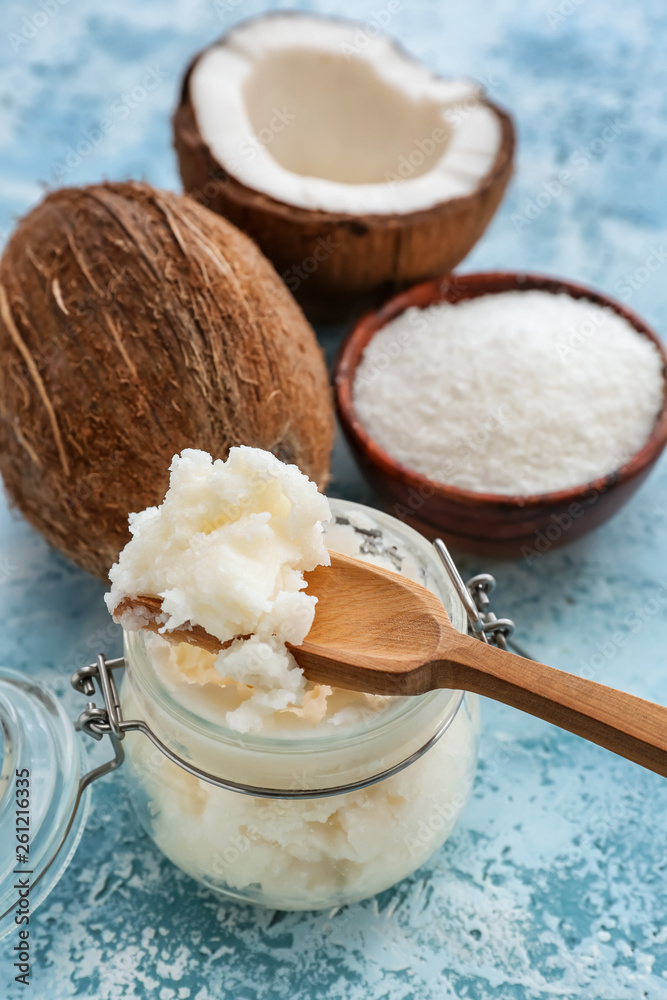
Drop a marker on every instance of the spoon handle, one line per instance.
(620, 722)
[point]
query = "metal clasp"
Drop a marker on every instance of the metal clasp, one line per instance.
(475, 596)
(108, 721)
(100, 722)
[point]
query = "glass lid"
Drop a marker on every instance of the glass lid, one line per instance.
(42, 763)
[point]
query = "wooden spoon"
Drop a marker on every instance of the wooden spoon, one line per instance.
(379, 632)
(152, 621)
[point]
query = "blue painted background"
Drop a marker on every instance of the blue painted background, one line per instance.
(554, 884)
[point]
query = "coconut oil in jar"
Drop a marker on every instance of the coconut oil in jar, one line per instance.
(409, 762)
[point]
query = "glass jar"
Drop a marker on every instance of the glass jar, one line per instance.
(43, 804)
(294, 850)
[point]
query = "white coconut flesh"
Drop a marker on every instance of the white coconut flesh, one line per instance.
(315, 114)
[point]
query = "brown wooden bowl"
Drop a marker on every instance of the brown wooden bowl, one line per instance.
(489, 523)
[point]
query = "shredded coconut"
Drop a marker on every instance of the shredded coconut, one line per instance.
(512, 393)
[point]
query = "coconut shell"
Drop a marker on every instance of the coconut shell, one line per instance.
(135, 323)
(337, 264)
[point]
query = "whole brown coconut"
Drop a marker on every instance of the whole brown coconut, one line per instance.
(338, 264)
(135, 323)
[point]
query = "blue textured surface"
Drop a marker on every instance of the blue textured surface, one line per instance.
(554, 884)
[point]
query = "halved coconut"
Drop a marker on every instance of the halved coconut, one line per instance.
(354, 167)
